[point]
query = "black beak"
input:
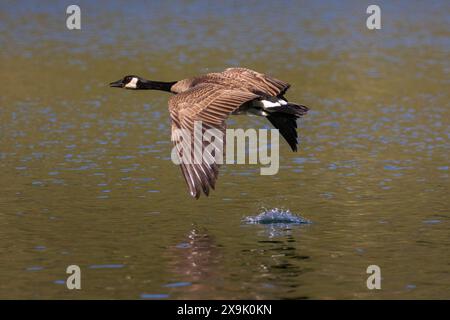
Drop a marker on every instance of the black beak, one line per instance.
(116, 84)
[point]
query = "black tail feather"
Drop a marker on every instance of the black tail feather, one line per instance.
(294, 109)
(287, 126)
(284, 119)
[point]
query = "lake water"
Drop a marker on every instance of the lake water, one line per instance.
(86, 176)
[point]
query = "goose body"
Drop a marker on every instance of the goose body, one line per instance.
(211, 98)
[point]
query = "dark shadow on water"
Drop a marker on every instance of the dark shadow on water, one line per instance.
(277, 267)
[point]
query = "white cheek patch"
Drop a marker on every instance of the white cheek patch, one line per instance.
(132, 84)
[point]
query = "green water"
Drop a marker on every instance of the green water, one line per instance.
(87, 177)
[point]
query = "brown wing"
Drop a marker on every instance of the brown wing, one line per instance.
(210, 104)
(257, 82)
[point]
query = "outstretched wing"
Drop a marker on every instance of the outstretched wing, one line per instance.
(211, 104)
(257, 82)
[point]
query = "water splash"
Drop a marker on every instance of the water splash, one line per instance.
(276, 222)
(276, 216)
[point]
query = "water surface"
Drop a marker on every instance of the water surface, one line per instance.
(87, 177)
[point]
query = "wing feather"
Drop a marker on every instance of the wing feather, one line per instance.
(211, 104)
(257, 82)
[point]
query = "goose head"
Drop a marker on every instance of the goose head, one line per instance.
(138, 83)
(130, 82)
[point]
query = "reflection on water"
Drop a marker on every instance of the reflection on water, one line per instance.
(270, 266)
(87, 177)
(278, 267)
(197, 259)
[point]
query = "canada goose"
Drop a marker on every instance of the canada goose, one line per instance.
(211, 98)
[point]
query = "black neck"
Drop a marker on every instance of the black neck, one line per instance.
(156, 85)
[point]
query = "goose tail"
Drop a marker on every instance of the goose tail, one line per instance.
(284, 118)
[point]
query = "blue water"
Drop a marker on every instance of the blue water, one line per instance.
(103, 24)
